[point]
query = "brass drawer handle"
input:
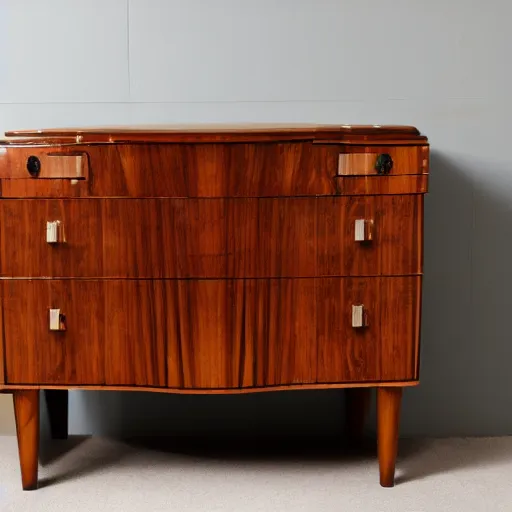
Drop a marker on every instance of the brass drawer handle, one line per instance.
(57, 320)
(363, 230)
(55, 232)
(359, 316)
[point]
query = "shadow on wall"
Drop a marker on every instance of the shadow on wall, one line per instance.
(465, 378)
(466, 350)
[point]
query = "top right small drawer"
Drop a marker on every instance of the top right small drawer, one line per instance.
(383, 160)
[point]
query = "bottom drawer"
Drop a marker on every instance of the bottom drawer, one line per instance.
(211, 333)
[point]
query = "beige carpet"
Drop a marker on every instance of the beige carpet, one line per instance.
(96, 475)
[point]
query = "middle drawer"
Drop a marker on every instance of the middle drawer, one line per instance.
(211, 238)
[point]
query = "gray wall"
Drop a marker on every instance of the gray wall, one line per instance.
(440, 65)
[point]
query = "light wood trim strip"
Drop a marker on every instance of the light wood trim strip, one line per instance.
(230, 391)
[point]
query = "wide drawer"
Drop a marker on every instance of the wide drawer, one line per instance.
(206, 170)
(211, 238)
(211, 333)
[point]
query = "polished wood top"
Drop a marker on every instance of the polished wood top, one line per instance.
(221, 133)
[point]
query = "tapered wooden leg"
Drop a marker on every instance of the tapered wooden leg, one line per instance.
(357, 406)
(388, 422)
(26, 411)
(57, 406)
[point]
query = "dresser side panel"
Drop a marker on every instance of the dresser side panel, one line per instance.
(2, 341)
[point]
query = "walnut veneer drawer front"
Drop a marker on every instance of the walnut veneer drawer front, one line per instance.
(385, 345)
(210, 333)
(169, 238)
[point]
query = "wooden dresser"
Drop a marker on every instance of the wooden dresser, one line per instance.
(211, 259)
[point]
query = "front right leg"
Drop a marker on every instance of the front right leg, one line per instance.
(388, 426)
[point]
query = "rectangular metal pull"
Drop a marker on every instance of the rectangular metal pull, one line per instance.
(359, 316)
(57, 320)
(54, 232)
(363, 230)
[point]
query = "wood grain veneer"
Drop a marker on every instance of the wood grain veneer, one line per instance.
(200, 170)
(216, 333)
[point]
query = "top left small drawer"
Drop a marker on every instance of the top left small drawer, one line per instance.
(43, 163)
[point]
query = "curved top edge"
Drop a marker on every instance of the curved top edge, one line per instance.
(217, 132)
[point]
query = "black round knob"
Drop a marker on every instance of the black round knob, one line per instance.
(33, 166)
(384, 164)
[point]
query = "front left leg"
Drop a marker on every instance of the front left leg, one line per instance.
(26, 411)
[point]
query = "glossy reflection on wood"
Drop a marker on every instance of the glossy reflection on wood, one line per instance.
(26, 412)
(225, 133)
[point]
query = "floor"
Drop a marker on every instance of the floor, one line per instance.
(184, 475)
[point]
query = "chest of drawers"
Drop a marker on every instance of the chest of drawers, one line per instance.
(211, 259)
